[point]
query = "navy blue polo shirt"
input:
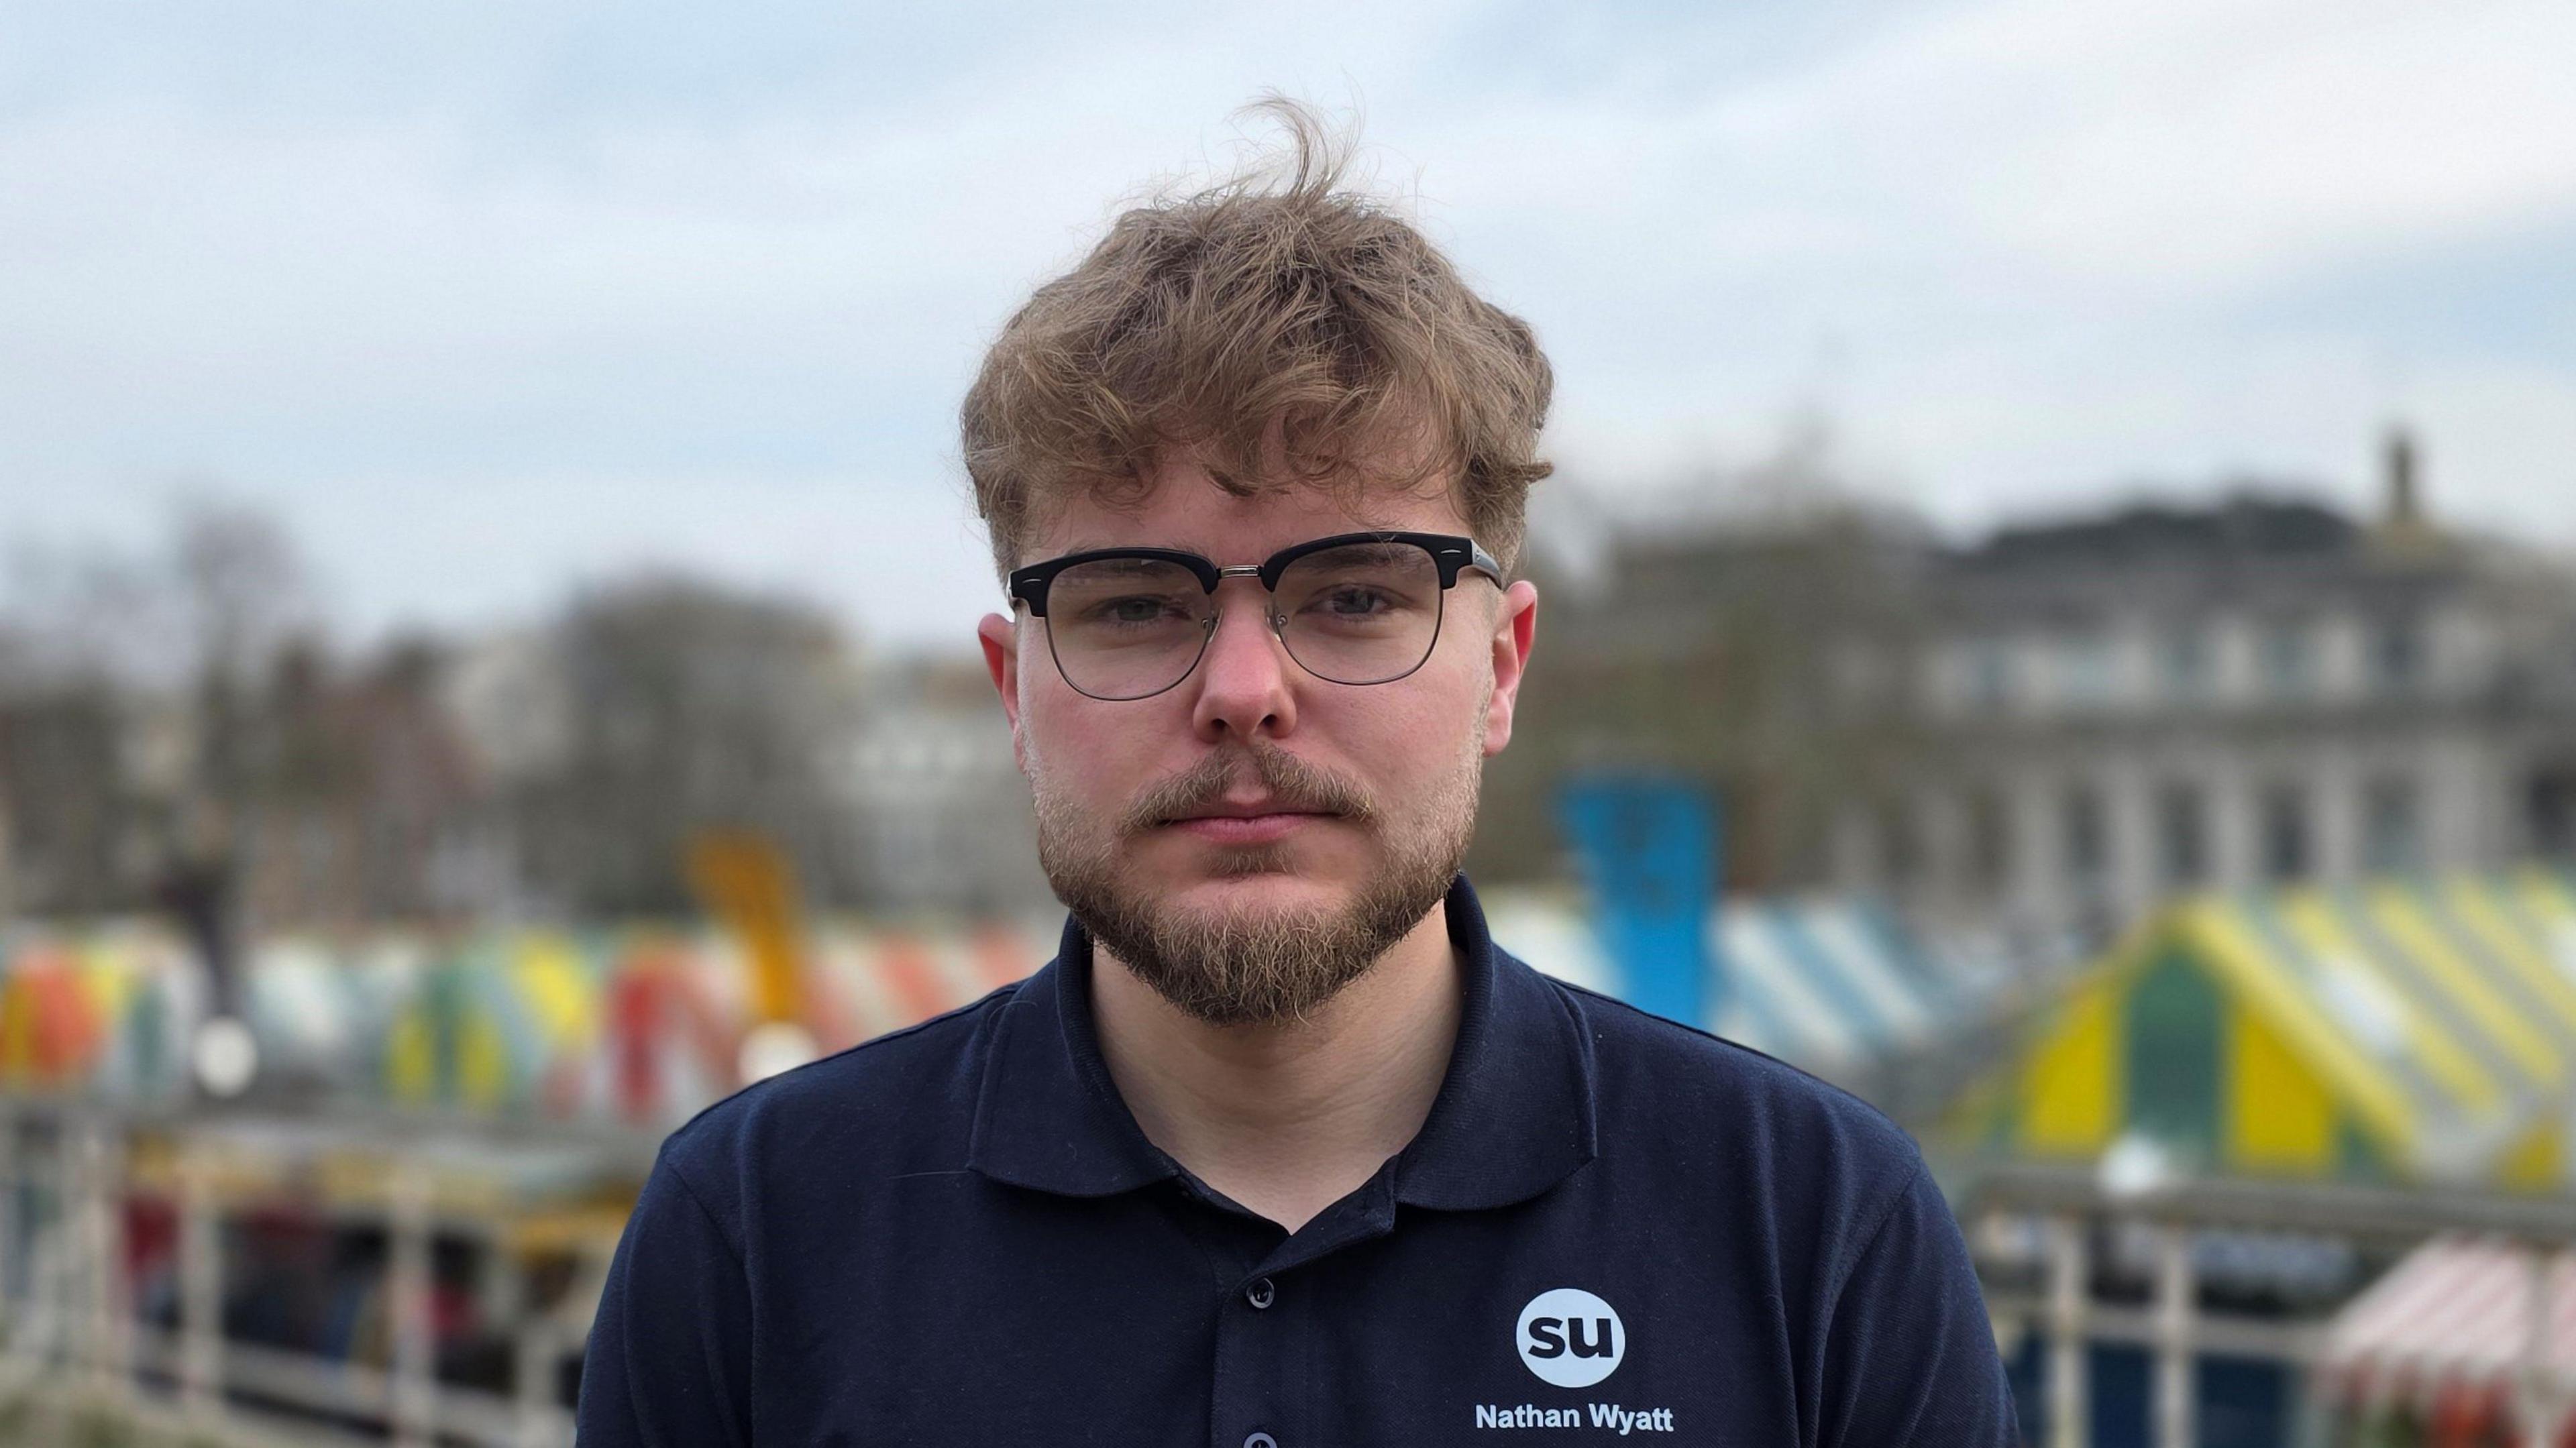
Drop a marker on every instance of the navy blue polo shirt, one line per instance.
(1609, 1226)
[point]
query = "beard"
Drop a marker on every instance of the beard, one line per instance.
(1234, 967)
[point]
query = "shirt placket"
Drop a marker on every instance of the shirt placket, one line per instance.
(1266, 1336)
(1261, 1341)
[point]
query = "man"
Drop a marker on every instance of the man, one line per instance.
(1280, 1150)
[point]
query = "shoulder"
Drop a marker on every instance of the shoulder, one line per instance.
(902, 1098)
(1678, 1101)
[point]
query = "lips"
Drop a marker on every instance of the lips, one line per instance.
(1257, 823)
(1258, 793)
(1255, 809)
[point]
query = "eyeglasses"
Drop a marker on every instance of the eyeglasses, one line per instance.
(1354, 608)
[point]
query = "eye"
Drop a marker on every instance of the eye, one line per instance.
(1135, 610)
(1355, 601)
(1129, 611)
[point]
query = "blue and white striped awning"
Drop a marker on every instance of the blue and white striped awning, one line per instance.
(1823, 982)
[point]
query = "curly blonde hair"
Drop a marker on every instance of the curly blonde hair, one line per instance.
(1288, 331)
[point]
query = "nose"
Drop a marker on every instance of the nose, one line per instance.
(1244, 678)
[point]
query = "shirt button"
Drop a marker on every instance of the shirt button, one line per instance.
(1260, 1440)
(1259, 1294)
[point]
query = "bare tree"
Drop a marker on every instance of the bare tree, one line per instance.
(1751, 634)
(686, 708)
(75, 633)
(132, 719)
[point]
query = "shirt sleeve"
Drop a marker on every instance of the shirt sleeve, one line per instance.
(669, 1361)
(1910, 1354)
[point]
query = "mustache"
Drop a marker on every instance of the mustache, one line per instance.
(1295, 784)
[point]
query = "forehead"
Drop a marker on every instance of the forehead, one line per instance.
(1184, 508)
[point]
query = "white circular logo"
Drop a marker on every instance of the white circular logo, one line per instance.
(1571, 1338)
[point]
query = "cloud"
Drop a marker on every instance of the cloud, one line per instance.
(2196, 143)
(605, 277)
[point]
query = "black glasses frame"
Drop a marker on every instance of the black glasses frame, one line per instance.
(1451, 553)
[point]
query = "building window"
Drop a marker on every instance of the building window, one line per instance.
(2289, 663)
(1989, 842)
(1900, 846)
(2397, 655)
(2085, 668)
(1990, 682)
(2189, 663)
(2392, 835)
(2550, 807)
(2087, 838)
(2182, 836)
(2288, 852)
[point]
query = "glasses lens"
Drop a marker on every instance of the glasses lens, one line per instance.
(1123, 628)
(1363, 613)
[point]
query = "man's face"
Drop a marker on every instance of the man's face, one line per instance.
(1249, 841)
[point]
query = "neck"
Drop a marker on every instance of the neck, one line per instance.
(1288, 1118)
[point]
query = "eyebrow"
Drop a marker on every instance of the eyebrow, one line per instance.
(1120, 547)
(1362, 554)
(1093, 545)
(1128, 567)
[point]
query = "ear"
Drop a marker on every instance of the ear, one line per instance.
(1000, 636)
(1515, 626)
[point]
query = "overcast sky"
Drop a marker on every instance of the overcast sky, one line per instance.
(485, 300)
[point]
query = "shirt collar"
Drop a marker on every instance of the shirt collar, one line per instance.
(1514, 1115)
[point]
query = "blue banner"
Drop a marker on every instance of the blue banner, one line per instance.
(1649, 847)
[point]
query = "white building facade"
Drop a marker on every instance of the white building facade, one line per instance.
(2119, 710)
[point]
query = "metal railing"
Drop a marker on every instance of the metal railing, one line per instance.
(2069, 1205)
(78, 1341)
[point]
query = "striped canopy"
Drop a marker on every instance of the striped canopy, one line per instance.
(2459, 1311)
(1822, 982)
(2445, 1011)
(2410, 1027)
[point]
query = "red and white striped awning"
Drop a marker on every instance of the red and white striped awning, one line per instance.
(2457, 1309)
